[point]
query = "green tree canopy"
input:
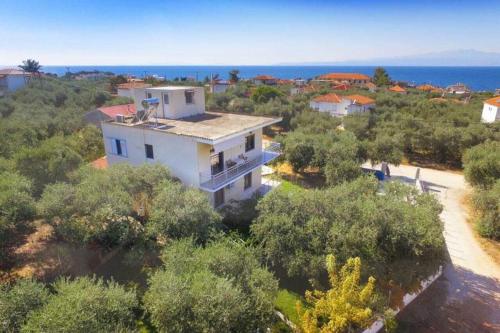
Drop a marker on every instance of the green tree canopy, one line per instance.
(263, 94)
(381, 78)
(84, 305)
(482, 164)
(18, 300)
(219, 288)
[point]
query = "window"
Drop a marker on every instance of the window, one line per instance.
(249, 142)
(148, 95)
(165, 99)
(219, 197)
(118, 147)
(149, 151)
(248, 181)
(189, 96)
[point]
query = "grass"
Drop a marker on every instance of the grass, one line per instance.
(289, 187)
(286, 303)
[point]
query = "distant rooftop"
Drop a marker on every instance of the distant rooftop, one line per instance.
(133, 84)
(113, 111)
(172, 88)
(12, 71)
(209, 126)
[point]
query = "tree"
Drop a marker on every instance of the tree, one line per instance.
(295, 230)
(85, 305)
(263, 94)
(218, 288)
(17, 301)
(343, 162)
(16, 205)
(487, 203)
(177, 212)
(386, 148)
(482, 164)
(52, 161)
(31, 66)
(345, 307)
(233, 76)
(381, 78)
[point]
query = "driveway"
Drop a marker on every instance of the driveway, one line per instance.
(466, 298)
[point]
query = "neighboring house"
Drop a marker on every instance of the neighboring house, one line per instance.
(135, 90)
(219, 86)
(106, 113)
(491, 110)
(339, 106)
(426, 87)
(265, 79)
(12, 79)
(398, 89)
(370, 86)
(497, 92)
(458, 89)
(219, 153)
(350, 78)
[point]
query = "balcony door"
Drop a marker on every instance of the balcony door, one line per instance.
(217, 163)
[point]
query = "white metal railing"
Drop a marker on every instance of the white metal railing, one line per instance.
(212, 183)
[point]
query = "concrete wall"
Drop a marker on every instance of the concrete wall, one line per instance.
(177, 107)
(178, 153)
(236, 190)
(14, 82)
(356, 108)
(490, 113)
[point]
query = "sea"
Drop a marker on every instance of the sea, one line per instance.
(476, 78)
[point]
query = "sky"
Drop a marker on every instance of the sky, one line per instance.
(185, 32)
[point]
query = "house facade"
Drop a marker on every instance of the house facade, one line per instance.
(219, 153)
(265, 79)
(134, 90)
(350, 78)
(491, 110)
(12, 79)
(340, 106)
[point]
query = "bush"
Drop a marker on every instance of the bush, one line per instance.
(263, 94)
(219, 288)
(482, 164)
(18, 301)
(85, 305)
(487, 202)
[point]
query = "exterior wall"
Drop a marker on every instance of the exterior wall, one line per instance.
(324, 107)
(178, 153)
(14, 82)
(236, 190)
(356, 108)
(137, 94)
(177, 107)
(490, 113)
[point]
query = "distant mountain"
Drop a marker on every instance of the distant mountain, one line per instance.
(446, 58)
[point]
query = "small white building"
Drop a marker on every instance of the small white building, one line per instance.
(491, 110)
(134, 90)
(219, 86)
(265, 80)
(458, 89)
(339, 106)
(219, 153)
(12, 79)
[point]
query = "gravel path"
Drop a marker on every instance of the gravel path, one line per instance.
(467, 297)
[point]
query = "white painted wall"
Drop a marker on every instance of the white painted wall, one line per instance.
(236, 190)
(13, 82)
(137, 94)
(490, 113)
(177, 106)
(178, 153)
(345, 107)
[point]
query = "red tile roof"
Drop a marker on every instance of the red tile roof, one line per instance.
(344, 76)
(341, 87)
(133, 84)
(12, 71)
(426, 87)
(493, 101)
(264, 77)
(360, 99)
(113, 111)
(397, 89)
(328, 98)
(100, 163)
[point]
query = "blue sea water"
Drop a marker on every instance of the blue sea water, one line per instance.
(477, 78)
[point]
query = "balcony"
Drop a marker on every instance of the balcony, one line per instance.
(215, 182)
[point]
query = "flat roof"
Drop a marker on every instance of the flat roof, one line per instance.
(209, 127)
(173, 88)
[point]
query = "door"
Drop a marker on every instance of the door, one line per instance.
(217, 163)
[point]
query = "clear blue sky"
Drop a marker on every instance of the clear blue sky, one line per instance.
(183, 32)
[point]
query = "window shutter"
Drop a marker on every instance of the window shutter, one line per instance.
(124, 147)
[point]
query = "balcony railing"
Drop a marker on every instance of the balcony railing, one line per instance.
(223, 178)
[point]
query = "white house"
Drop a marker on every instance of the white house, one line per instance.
(491, 110)
(135, 90)
(12, 79)
(458, 89)
(340, 106)
(219, 153)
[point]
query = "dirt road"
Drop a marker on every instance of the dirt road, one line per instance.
(467, 297)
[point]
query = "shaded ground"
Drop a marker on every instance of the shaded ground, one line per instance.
(467, 296)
